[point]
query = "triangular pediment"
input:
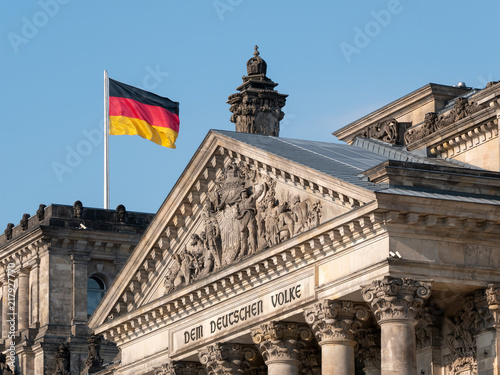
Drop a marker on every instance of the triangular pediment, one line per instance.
(233, 200)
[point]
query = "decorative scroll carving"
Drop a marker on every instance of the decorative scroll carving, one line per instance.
(94, 361)
(121, 213)
(311, 361)
(281, 340)
(181, 368)
(78, 209)
(4, 368)
(240, 217)
(8, 231)
(368, 348)
(24, 222)
(432, 123)
(331, 320)
(396, 298)
(427, 331)
(474, 317)
(62, 361)
(227, 358)
(40, 213)
(386, 131)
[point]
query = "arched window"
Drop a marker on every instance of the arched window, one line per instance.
(95, 291)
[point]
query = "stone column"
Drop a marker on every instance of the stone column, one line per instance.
(396, 303)
(280, 344)
(369, 350)
(79, 318)
(5, 307)
(226, 358)
(493, 297)
(34, 304)
(334, 324)
(23, 300)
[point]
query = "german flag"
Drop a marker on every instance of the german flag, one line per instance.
(134, 111)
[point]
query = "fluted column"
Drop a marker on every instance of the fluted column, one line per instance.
(280, 344)
(396, 303)
(23, 300)
(369, 350)
(493, 298)
(334, 324)
(227, 358)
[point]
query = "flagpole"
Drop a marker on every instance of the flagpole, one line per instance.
(106, 141)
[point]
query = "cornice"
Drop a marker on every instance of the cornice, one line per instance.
(400, 107)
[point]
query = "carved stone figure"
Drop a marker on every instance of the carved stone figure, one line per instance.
(62, 361)
(8, 231)
(94, 361)
(240, 216)
(248, 226)
(121, 213)
(4, 368)
(24, 222)
(40, 213)
(386, 131)
(432, 123)
(78, 209)
(212, 233)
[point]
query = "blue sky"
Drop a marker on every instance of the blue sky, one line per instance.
(337, 61)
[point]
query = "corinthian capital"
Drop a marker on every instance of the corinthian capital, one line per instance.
(396, 298)
(226, 358)
(334, 320)
(281, 340)
(493, 298)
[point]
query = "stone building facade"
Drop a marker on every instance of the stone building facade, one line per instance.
(57, 264)
(283, 256)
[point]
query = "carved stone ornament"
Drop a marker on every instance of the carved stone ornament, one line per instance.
(386, 131)
(227, 358)
(333, 320)
(368, 348)
(4, 368)
(427, 331)
(474, 317)
(24, 222)
(8, 231)
(310, 359)
(433, 122)
(257, 107)
(241, 216)
(78, 209)
(120, 213)
(40, 213)
(396, 298)
(281, 340)
(62, 361)
(181, 368)
(93, 363)
(493, 298)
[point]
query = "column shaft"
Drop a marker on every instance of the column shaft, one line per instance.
(398, 348)
(283, 367)
(79, 289)
(23, 300)
(337, 359)
(34, 308)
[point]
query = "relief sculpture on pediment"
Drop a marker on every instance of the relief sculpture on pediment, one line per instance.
(240, 217)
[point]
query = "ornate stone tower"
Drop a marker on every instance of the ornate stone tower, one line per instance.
(257, 107)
